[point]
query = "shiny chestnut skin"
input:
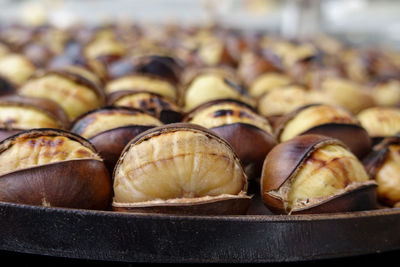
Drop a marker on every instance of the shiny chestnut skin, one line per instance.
(338, 183)
(180, 168)
(19, 113)
(70, 173)
(247, 132)
(110, 128)
(383, 165)
(331, 120)
(159, 106)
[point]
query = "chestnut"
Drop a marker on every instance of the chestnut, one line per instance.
(110, 128)
(74, 93)
(180, 168)
(159, 106)
(143, 82)
(383, 165)
(247, 132)
(19, 113)
(277, 103)
(380, 122)
(325, 119)
(386, 92)
(53, 168)
(16, 68)
(211, 86)
(344, 92)
(315, 174)
(267, 82)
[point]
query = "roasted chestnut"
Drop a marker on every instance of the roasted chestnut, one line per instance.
(386, 92)
(325, 119)
(380, 122)
(16, 68)
(277, 103)
(315, 174)
(180, 168)
(110, 128)
(383, 165)
(143, 82)
(267, 82)
(247, 132)
(53, 168)
(159, 106)
(211, 86)
(19, 113)
(74, 93)
(348, 94)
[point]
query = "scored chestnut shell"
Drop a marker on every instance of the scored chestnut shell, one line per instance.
(380, 122)
(53, 168)
(383, 165)
(159, 106)
(180, 168)
(325, 119)
(110, 128)
(247, 132)
(315, 174)
(18, 113)
(212, 86)
(74, 93)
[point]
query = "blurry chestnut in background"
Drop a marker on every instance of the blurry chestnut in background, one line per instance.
(247, 132)
(159, 106)
(380, 122)
(53, 168)
(211, 86)
(18, 113)
(16, 69)
(325, 119)
(74, 93)
(315, 174)
(383, 165)
(109, 129)
(268, 82)
(180, 168)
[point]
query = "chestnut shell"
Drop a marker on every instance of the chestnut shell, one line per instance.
(83, 184)
(291, 155)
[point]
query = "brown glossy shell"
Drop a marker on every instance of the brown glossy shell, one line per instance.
(83, 183)
(285, 160)
(354, 136)
(220, 205)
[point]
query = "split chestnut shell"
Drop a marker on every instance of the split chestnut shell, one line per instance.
(180, 168)
(53, 168)
(315, 174)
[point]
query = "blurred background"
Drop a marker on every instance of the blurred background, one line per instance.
(357, 21)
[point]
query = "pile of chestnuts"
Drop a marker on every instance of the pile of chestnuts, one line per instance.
(199, 120)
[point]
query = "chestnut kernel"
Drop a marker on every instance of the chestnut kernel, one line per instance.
(180, 168)
(315, 174)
